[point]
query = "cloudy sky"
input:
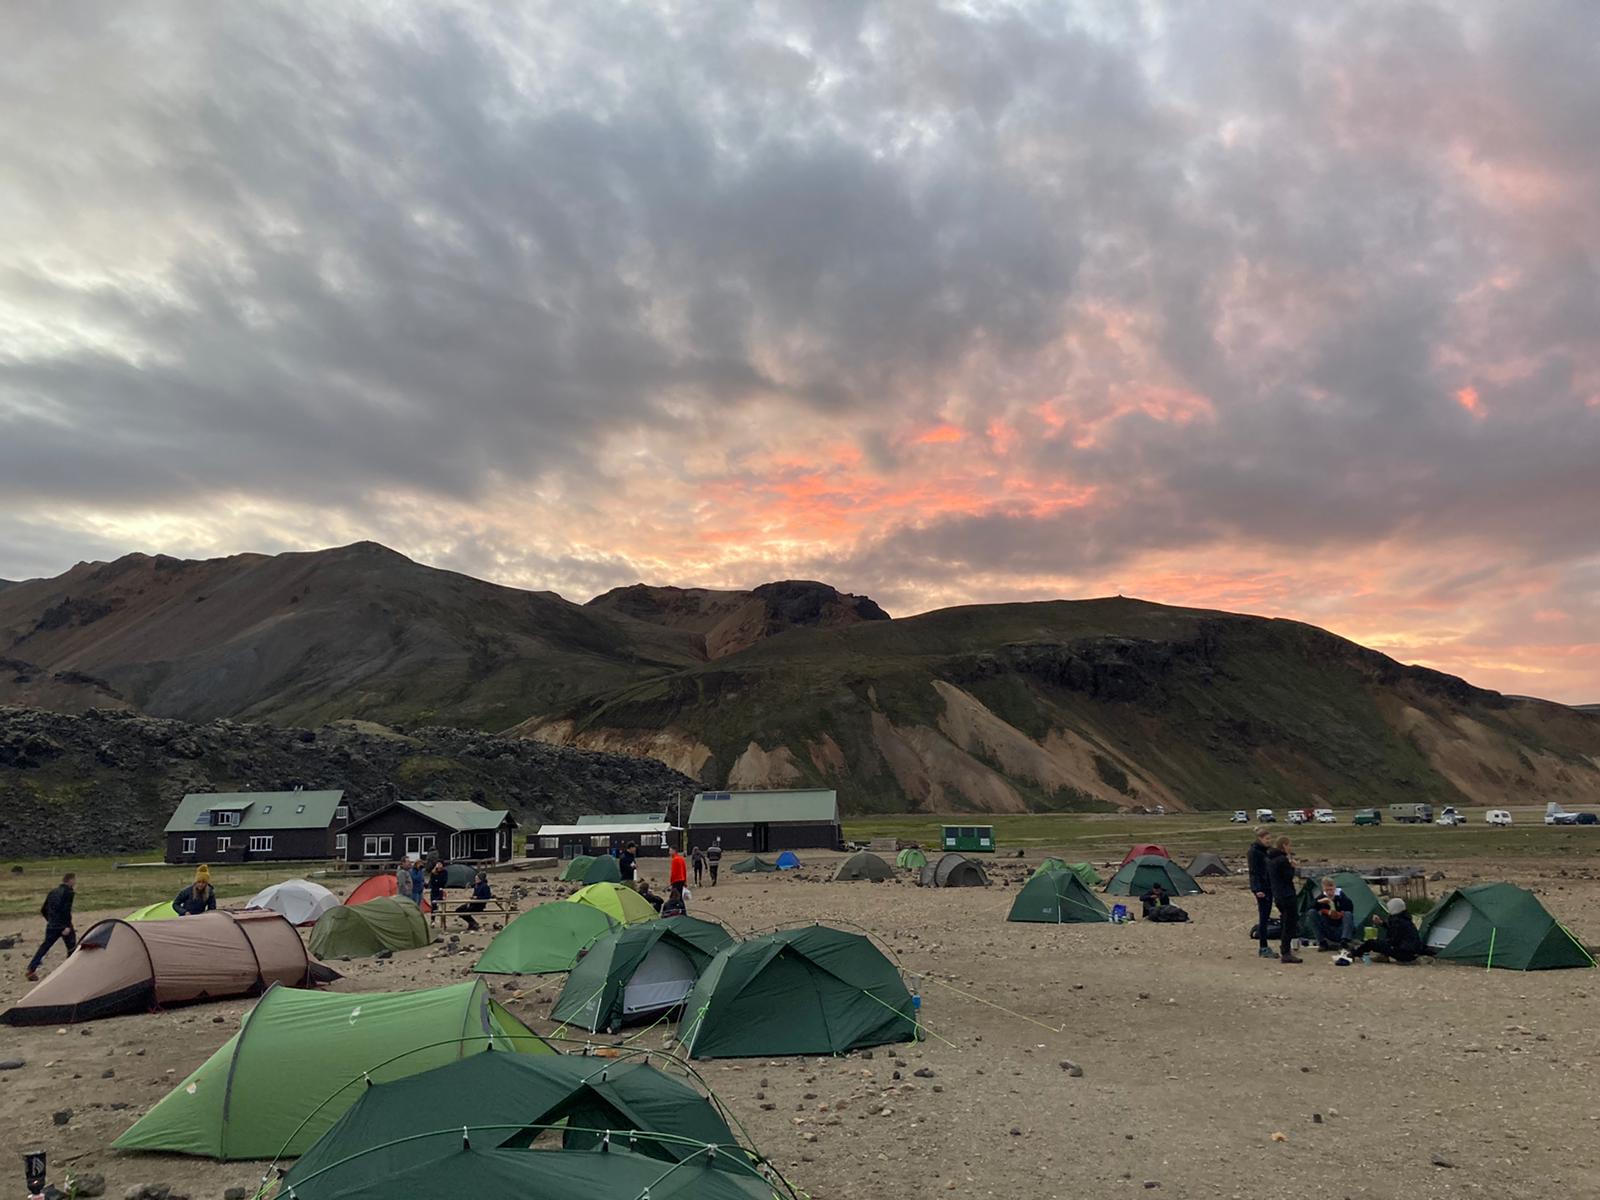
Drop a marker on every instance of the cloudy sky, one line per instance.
(1291, 309)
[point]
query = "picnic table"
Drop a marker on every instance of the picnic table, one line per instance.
(500, 908)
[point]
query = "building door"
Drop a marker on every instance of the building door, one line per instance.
(759, 837)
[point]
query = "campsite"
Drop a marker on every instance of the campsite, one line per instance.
(1080, 1058)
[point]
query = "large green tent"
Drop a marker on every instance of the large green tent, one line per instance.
(912, 857)
(576, 868)
(1135, 877)
(301, 1058)
(813, 990)
(863, 865)
(535, 1108)
(545, 939)
(637, 972)
(1050, 864)
(361, 930)
(617, 900)
(1057, 897)
(1087, 873)
(1500, 925)
(1366, 900)
(754, 863)
(602, 869)
(953, 870)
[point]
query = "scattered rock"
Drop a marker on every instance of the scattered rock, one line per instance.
(1016, 1131)
(923, 1073)
(108, 1073)
(12, 1064)
(62, 1117)
(1440, 1160)
(1071, 1068)
(236, 1193)
(385, 953)
(88, 1185)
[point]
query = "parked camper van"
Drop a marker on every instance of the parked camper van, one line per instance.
(1369, 816)
(1325, 816)
(1497, 816)
(1264, 815)
(1412, 814)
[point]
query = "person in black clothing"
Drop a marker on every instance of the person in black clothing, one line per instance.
(675, 905)
(438, 877)
(480, 893)
(714, 859)
(1158, 905)
(1280, 873)
(1335, 919)
(627, 862)
(1397, 935)
(195, 899)
(697, 860)
(644, 890)
(1262, 887)
(57, 913)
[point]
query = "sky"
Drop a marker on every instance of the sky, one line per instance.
(1286, 309)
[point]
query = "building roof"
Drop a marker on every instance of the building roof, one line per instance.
(631, 820)
(460, 816)
(257, 810)
(751, 808)
(596, 829)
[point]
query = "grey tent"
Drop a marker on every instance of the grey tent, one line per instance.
(863, 865)
(954, 870)
(1208, 864)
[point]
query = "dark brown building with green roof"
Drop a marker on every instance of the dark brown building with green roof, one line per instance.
(238, 827)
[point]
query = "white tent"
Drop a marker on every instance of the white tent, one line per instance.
(300, 900)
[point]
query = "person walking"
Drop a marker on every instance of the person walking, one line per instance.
(698, 858)
(57, 913)
(1280, 873)
(677, 869)
(628, 862)
(714, 859)
(1261, 886)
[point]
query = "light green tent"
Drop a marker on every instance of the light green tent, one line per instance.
(814, 990)
(754, 863)
(1137, 875)
(538, 1111)
(301, 1058)
(161, 910)
(544, 940)
(1087, 873)
(911, 857)
(1057, 897)
(1366, 901)
(637, 972)
(361, 930)
(1499, 925)
(617, 900)
(1050, 864)
(577, 868)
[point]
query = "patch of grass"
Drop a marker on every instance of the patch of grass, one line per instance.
(102, 886)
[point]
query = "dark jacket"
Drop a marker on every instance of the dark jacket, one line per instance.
(1336, 903)
(188, 904)
(625, 862)
(1256, 856)
(1400, 938)
(57, 907)
(480, 890)
(1280, 873)
(713, 854)
(674, 905)
(436, 884)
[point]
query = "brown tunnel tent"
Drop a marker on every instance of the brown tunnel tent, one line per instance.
(121, 967)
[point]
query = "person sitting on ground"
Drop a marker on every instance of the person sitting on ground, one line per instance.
(1397, 935)
(675, 904)
(644, 890)
(1335, 916)
(480, 893)
(198, 897)
(1158, 906)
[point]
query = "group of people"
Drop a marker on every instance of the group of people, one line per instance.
(197, 897)
(676, 902)
(412, 879)
(1273, 879)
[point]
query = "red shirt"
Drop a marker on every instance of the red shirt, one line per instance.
(680, 869)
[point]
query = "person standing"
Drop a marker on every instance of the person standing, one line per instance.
(698, 858)
(714, 859)
(57, 913)
(1280, 873)
(628, 863)
(677, 869)
(418, 878)
(402, 879)
(1261, 886)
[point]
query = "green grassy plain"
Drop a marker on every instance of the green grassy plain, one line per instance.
(102, 885)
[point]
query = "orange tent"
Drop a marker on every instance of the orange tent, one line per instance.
(122, 967)
(375, 886)
(1145, 849)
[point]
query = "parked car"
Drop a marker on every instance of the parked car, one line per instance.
(1497, 816)
(1264, 815)
(1587, 818)
(1554, 814)
(1450, 817)
(1240, 817)
(1325, 816)
(1369, 816)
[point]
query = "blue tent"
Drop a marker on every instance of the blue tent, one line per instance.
(787, 861)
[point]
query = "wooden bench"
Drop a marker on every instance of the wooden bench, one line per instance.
(500, 908)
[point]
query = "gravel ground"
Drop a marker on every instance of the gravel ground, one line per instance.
(1383, 1081)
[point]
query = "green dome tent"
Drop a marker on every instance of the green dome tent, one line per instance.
(361, 930)
(602, 869)
(301, 1058)
(1049, 864)
(575, 868)
(638, 971)
(1135, 878)
(1366, 900)
(161, 910)
(1499, 925)
(754, 863)
(617, 900)
(532, 1111)
(1057, 897)
(911, 857)
(1087, 873)
(863, 865)
(953, 870)
(544, 940)
(814, 990)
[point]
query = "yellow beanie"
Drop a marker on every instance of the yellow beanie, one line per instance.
(202, 874)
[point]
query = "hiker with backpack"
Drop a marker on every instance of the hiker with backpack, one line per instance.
(57, 913)
(1280, 874)
(1261, 886)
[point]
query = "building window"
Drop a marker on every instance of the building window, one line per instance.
(480, 842)
(190, 845)
(418, 844)
(341, 841)
(224, 844)
(260, 843)
(225, 816)
(374, 846)
(342, 813)
(299, 808)
(266, 810)
(549, 843)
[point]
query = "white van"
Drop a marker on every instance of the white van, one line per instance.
(1263, 815)
(1497, 816)
(1325, 816)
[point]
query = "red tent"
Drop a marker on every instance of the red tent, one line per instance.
(1137, 851)
(375, 886)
